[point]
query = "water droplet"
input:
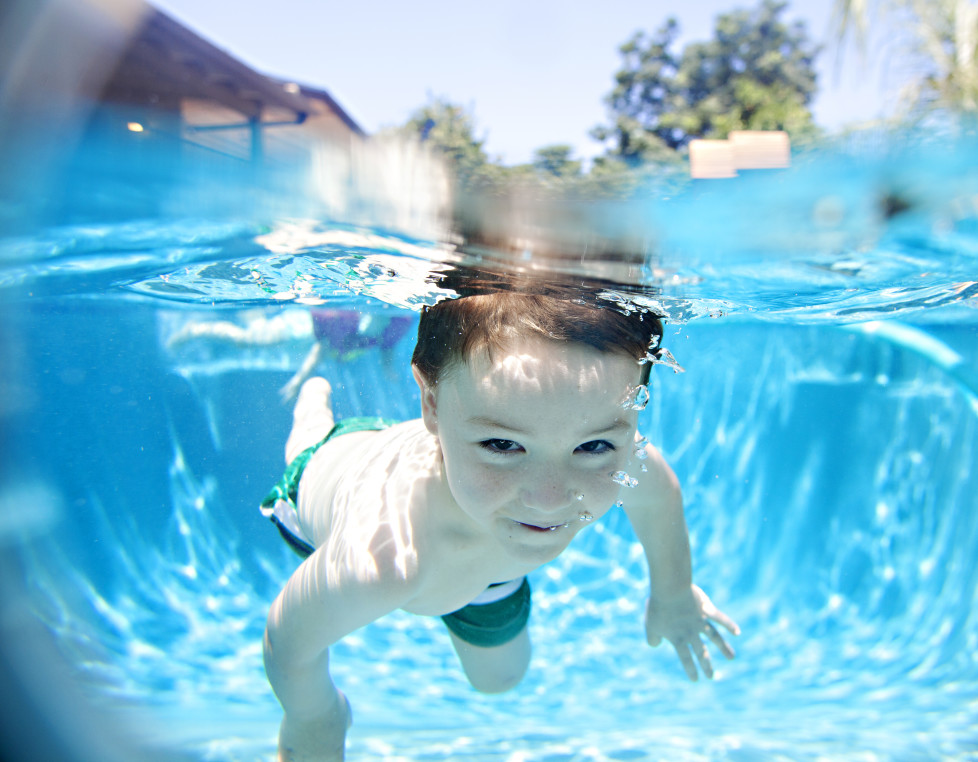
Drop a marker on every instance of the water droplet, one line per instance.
(579, 496)
(622, 478)
(637, 398)
(620, 504)
(645, 468)
(586, 516)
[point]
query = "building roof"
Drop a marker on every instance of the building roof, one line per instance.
(165, 62)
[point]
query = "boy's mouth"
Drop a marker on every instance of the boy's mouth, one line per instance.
(549, 528)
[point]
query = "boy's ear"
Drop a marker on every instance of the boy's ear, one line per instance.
(429, 412)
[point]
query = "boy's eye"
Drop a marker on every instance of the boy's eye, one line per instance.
(597, 446)
(501, 445)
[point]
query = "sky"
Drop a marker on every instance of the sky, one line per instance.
(532, 72)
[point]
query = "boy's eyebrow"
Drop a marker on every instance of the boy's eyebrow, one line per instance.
(618, 425)
(482, 420)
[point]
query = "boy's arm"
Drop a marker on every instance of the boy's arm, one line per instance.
(320, 604)
(677, 610)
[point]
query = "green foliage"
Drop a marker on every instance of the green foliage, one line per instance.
(555, 161)
(937, 43)
(553, 169)
(757, 72)
(451, 130)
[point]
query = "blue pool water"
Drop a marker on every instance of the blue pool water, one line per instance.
(824, 431)
(831, 500)
(827, 468)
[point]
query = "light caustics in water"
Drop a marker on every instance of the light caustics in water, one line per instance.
(854, 603)
(846, 552)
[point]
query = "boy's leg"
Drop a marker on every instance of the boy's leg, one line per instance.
(312, 418)
(495, 669)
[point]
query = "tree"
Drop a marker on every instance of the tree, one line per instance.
(942, 45)
(451, 129)
(555, 162)
(756, 73)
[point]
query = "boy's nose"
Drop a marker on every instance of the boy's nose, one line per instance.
(549, 492)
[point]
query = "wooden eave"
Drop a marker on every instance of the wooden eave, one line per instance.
(166, 62)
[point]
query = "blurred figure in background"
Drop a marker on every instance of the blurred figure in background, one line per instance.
(345, 334)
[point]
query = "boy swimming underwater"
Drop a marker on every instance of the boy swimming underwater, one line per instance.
(526, 436)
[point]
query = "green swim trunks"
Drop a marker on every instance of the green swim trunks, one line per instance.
(496, 621)
(281, 503)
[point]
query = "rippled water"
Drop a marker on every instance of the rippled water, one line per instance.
(826, 462)
(849, 234)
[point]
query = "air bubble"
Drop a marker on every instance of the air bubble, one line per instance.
(622, 478)
(620, 504)
(579, 496)
(666, 358)
(640, 452)
(637, 398)
(587, 516)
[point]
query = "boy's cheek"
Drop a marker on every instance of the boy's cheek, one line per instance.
(601, 487)
(472, 482)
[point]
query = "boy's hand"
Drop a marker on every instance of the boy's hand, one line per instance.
(682, 620)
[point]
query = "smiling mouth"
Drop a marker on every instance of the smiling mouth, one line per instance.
(536, 528)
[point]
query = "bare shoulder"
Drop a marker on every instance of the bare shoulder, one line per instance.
(362, 496)
(375, 447)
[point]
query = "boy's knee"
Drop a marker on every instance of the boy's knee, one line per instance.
(498, 681)
(497, 669)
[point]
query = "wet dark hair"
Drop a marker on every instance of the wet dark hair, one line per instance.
(491, 310)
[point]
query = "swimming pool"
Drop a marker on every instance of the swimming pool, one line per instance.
(827, 469)
(824, 431)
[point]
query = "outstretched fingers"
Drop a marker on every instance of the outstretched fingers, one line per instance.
(686, 658)
(717, 639)
(692, 653)
(703, 657)
(720, 618)
(683, 621)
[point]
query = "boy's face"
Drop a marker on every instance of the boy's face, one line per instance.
(530, 439)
